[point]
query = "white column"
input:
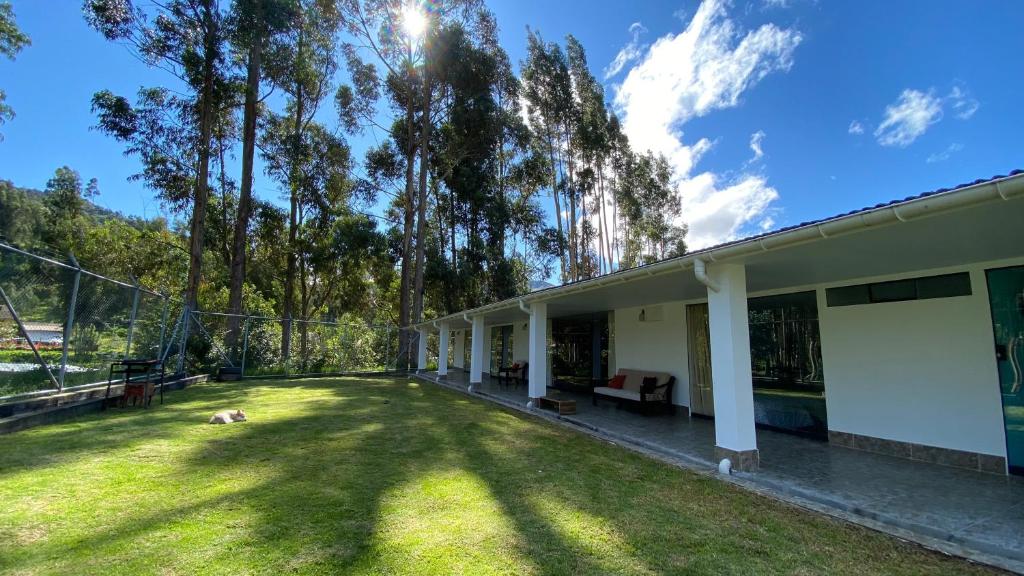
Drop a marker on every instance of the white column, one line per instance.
(476, 354)
(735, 438)
(442, 349)
(538, 371)
(459, 350)
(421, 352)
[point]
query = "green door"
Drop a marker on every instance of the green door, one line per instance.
(1006, 295)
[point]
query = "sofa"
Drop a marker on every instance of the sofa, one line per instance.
(644, 388)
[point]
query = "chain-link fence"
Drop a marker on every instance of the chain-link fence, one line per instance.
(62, 326)
(262, 346)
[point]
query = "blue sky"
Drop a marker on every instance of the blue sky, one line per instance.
(773, 111)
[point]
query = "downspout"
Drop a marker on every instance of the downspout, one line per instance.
(701, 272)
(523, 307)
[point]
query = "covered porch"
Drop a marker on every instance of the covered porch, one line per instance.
(962, 511)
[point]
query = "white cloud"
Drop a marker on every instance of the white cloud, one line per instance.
(945, 154)
(755, 145)
(908, 118)
(629, 52)
(855, 128)
(706, 67)
(769, 4)
(963, 105)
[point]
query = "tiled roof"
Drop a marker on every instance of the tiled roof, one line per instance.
(869, 208)
(801, 225)
(766, 234)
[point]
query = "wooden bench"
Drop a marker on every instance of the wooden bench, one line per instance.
(561, 405)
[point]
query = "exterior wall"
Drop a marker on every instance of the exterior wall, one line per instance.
(655, 345)
(920, 371)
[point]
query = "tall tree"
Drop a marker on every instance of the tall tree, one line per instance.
(66, 199)
(186, 38)
(302, 63)
(255, 24)
(12, 40)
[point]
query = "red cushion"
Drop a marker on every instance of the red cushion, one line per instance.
(617, 381)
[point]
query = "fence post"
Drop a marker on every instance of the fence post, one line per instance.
(70, 322)
(131, 319)
(163, 325)
(387, 346)
(245, 344)
(186, 321)
(291, 344)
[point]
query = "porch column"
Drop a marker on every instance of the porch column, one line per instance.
(421, 352)
(730, 367)
(442, 350)
(476, 354)
(459, 350)
(538, 370)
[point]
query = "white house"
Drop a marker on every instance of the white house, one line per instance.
(897, 328)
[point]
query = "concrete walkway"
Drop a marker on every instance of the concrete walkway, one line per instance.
(967, 513)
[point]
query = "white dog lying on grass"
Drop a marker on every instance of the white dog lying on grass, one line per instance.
(228, 416)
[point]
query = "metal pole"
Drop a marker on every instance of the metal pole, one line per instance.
(186, 318)
(387, 346)
(70, 322)
(291, 342)
(17, 320)
(163, 324)
(245, 346)
(131, 319)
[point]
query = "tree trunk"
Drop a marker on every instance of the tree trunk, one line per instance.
(293, 215)
(421, 218)
(238, 242)
(202, 191)
(558, 206)
(405, 306)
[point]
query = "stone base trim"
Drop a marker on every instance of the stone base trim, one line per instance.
(920, 452)
(742, 460)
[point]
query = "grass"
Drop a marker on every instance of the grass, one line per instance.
(389, 476)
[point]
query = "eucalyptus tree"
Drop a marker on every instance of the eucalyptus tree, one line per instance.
(374, 29)
(547, 88)
(12, 40)
(301, 61)
(254, 25)
(389, 53)
(185, 38)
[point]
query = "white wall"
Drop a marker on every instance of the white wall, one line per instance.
(658, 346)
(922, 371)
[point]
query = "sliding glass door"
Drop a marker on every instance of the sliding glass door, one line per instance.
(1006, 296)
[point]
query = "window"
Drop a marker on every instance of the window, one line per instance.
(944, 286)
(785, 345)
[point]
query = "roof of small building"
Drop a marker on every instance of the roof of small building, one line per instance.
(43, 327)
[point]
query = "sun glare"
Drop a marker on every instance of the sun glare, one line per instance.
(414, 20)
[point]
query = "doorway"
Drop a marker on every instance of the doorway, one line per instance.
(698, 343)
(1006, 297)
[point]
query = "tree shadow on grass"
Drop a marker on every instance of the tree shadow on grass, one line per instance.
(306, 484)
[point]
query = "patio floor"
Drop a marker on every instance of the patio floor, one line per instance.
(969, 513)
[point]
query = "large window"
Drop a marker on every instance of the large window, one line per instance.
(785, 354)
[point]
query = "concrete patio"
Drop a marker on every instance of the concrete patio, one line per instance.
(972, 514)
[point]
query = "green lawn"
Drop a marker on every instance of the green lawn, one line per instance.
(388, 476)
